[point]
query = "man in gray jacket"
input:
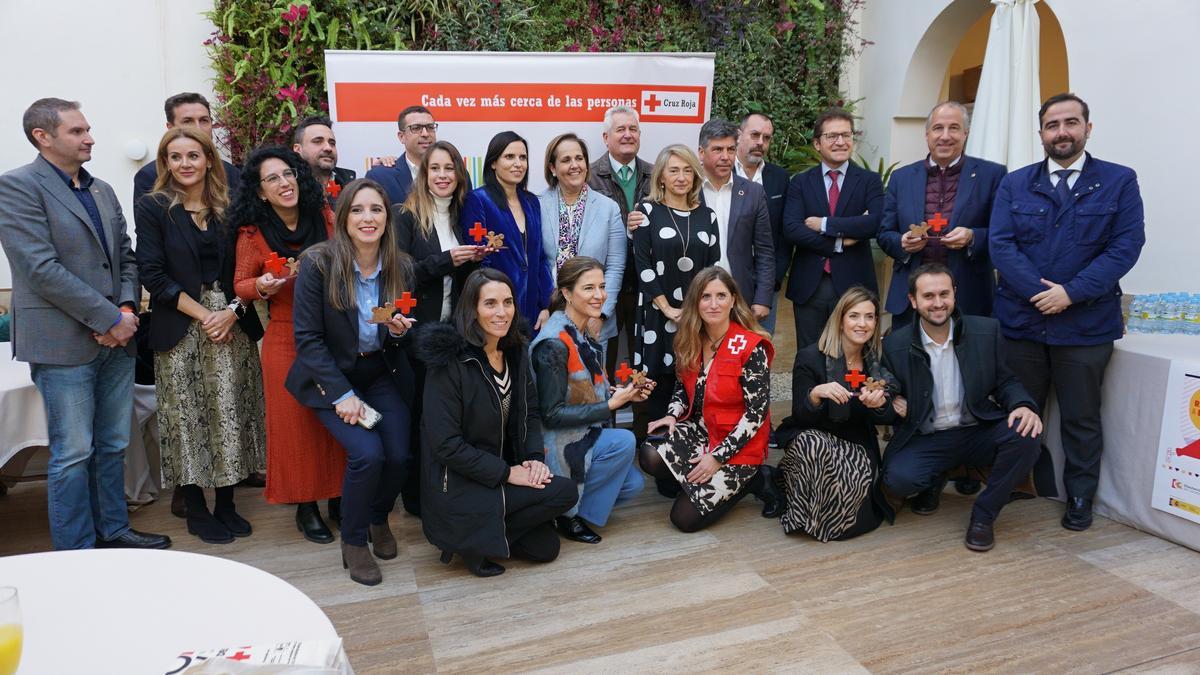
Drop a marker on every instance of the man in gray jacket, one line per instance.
(74, 300)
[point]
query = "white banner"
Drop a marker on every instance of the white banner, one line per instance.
(475, 95)
(1177, 474)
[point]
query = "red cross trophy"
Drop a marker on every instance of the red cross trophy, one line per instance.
(274, 264)
(477, 233)
(624, 372)
(333, 188)
(937, 222)
(855, 378)
(405, 302)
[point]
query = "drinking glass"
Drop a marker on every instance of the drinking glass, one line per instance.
(10, 630)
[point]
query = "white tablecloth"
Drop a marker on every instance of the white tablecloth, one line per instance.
(1135, 389)
(23, 436)
(131, 612)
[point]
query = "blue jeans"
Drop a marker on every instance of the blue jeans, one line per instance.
(376, 459)
(611, 478)
(768, 323)
(88, 409)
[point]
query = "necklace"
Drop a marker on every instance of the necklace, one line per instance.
(685, 263)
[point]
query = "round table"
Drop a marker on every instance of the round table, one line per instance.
(131, 611)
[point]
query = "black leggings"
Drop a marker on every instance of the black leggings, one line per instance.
(683, 512)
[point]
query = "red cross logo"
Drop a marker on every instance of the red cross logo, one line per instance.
(405, 302)
(240, 656)
(624, 372)
(274, 264)
(652, 102)
(937, 222)
(855, 378)
(333, 188)
(736, 344)
(477, 233)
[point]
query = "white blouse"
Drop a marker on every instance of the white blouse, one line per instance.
(448, 240)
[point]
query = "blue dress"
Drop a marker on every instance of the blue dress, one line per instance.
(523, 258)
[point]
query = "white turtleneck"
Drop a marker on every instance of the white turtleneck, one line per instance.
(447, 240)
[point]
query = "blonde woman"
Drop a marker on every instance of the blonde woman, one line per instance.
(831, 465)
(677, 239)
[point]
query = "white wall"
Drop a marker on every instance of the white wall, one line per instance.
(125, 58)
(1134, 64)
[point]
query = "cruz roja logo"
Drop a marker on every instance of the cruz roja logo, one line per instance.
(670, 103)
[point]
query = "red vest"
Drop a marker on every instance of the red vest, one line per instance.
(724, 403)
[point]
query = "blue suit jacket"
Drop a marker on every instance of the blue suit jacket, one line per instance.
(527, 267)
(775, 184)
(1086, 244)
(859, 206)
(602, 236)
(904, 205)
(395, 179)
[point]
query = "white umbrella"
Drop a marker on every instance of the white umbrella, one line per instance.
(1004, 125)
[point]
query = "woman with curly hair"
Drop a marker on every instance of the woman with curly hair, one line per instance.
(279, 212)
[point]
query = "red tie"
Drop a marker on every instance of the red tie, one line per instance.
(833, 199)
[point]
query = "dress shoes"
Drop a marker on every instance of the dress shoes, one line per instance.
(134, 539)
(362, 565)
(481, 566)
(573, 528)
(1079, 514)
(237, 525)
(770, 494)
(967, 486)
(178, 505)
(308, 521)
(383, 543)
(930, 499)
(980, 536)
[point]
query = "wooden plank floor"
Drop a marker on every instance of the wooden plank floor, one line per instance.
(739, 597)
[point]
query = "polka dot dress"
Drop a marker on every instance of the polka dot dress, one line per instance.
(665, 266)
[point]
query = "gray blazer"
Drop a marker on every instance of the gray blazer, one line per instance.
(65, 288)
(602, 236)
(751, 244)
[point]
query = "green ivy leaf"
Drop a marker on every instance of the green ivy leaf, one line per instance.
(334, 26)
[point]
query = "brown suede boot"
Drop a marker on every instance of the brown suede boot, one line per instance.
(382, 541)
(362, 566)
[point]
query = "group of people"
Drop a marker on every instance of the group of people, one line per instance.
(455, 347)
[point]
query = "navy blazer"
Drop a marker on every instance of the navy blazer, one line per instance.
(396, 179)
(1086, 244)
(526, 266)
(860, 204)
(143, 180)
(775, 184)
(169, 265)
(904, 205)
(751, 251)
(327, 345)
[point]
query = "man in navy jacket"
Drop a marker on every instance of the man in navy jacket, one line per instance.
(953, 192)
(1063, 233)
(833, 245)
(753, 145)
(418, 132)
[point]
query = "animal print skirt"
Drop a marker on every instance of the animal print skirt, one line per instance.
(828, 483)
(689, 440)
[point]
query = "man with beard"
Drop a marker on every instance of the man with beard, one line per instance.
(314, 141)
(753, 144)
(1063, 233)
(960, 405)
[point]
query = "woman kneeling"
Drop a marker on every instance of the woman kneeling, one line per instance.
(485, 491)
(576, 406)
(717, 428)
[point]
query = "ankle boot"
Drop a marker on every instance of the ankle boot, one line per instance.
(308, 521)
(205, 526)
(361, 564)
(770, 494)
(481, 566)
(227, 514)
(383, 544)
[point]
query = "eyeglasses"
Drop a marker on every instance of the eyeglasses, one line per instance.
(273, 179)
(845, 136)
(418, 128)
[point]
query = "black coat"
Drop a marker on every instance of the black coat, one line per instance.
(775, 184)
(169, 264)
(991, 390)
(327, 345)
(463, 444)
(432, 264)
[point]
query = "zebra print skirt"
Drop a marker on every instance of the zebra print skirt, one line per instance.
(828, 482)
